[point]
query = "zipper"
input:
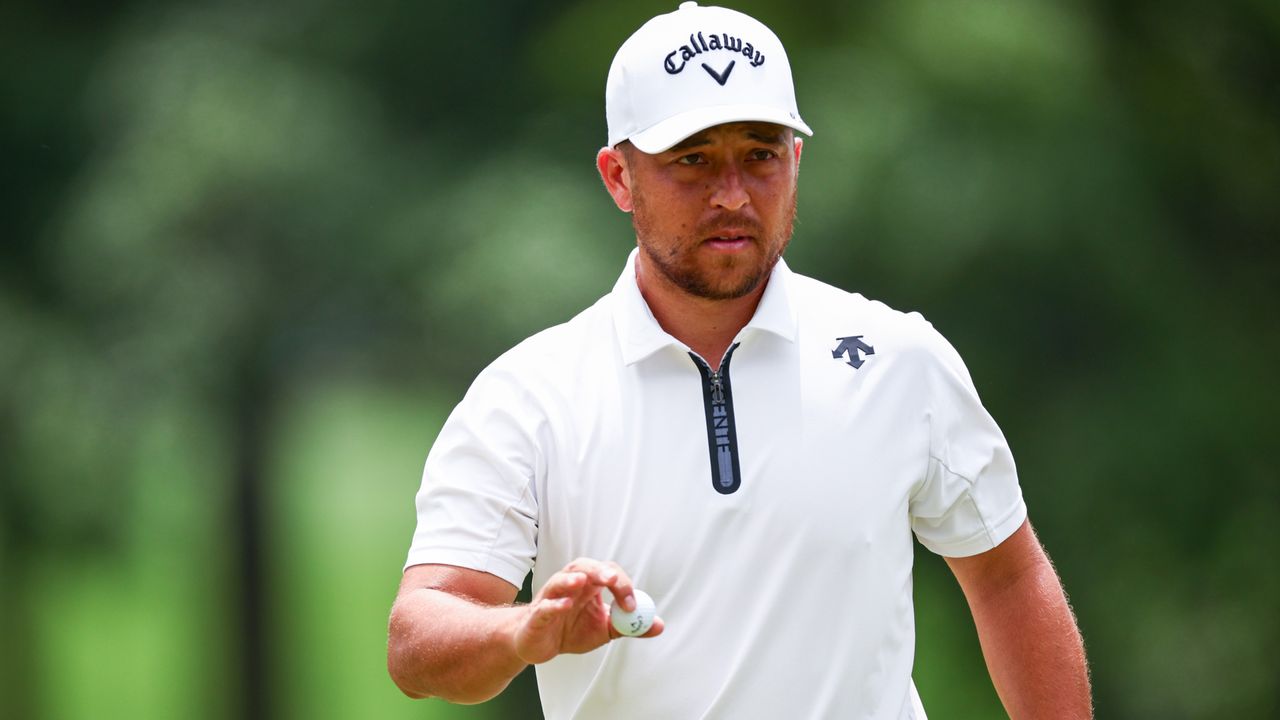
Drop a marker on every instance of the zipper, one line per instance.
(722, 433)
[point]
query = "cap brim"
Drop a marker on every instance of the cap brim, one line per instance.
(663, 135)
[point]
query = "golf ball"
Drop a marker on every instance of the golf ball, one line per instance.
(637, 622)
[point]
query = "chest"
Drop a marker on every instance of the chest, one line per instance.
(823, 457)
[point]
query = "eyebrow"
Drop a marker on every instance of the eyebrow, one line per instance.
(691, 142)
(699, 140)
(765, 137)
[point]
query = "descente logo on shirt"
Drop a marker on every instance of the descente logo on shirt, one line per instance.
(699, 44)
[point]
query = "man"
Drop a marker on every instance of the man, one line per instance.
(751, 447)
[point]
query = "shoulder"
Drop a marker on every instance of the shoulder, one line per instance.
(825, 309)
(900, 348)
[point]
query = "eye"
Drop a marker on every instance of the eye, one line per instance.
(690, 159)
(761, 154)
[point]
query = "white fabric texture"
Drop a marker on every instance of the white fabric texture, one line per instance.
(791, 597)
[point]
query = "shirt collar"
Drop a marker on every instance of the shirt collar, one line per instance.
(640, 335)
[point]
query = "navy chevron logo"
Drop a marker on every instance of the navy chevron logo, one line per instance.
(720, 77)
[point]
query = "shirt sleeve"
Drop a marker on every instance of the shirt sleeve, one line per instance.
(477, 506)
(969, 501)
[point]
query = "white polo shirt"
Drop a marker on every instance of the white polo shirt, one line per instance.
(769, 515)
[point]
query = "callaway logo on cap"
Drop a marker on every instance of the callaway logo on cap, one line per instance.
(685, 71)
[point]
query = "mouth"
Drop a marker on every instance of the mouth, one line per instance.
(729, 241)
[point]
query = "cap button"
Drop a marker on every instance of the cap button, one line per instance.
(687, 5)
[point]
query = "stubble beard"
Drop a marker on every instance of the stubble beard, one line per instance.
(680, 268)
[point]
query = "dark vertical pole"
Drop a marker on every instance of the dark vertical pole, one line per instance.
(251, 417)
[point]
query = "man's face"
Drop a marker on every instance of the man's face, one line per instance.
(714, 213)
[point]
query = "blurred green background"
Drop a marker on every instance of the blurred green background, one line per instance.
(254, 252)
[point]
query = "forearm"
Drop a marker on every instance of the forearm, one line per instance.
(1032, 646)
(440, 645)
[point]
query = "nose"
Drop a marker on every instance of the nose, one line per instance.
(728, 191)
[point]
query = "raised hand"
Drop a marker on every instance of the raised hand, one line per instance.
(568, 615)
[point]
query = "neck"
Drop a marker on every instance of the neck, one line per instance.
(707, 326)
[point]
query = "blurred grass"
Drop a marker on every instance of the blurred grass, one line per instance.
(348, 465)
(138, 630)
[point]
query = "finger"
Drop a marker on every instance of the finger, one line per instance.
(563, 584)
(619, 584)
(616, 580)
(609, 575)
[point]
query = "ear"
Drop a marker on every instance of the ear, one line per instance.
(799, 149)
(612, 165)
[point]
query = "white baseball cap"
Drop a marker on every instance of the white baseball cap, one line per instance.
(688, 70)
